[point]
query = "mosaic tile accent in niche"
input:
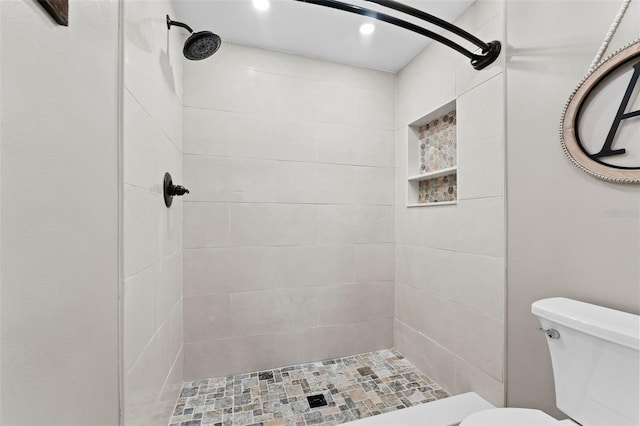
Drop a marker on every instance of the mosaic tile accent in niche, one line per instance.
(354, 387)
(438, 190)
(438, 143)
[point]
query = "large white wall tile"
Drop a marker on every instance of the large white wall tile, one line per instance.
(170, 228)
(355, 302)
(432, 359)
(406, 222)
(295, 182)
(481, 169)
(228, 179)
(138, 313)
(215, 270)
(268, 311)
(457, 227)
(334, 184)
(298, 346)
(374, 262)
(470, 378)
(336, 224)
(425, 269)
(221, 357)
(425, 84)
(233, 89)
(141, 226)
(176, 333)
(314, 265)
(348, 144)
(337, 103)
(355, 224)
(144, 382)
(375, 108)
(140, 138)
(167, 289)
(171, 390)
(259, 136)
(205, 224)
(478, 339)
(373, 224)
(375, 185)
(153, 71)
(480, 112)
(437, 319)
(407, 306)
(480, 284)
(272, 224)
(206, 131)
(207, 316)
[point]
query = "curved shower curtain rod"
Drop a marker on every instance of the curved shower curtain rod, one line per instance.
(489, 51)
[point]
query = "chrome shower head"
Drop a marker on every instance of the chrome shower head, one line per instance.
(199, 45)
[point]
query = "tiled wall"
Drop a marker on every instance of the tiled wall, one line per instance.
(582, 241)
(288, 230)
(450, 260)
(152, 233)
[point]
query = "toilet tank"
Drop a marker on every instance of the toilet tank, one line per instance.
(595, 359)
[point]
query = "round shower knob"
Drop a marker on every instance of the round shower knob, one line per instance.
(171, 190)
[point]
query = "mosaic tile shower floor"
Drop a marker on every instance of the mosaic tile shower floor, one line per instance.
(354, 387)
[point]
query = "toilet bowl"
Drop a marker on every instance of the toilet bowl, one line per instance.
(595, 355)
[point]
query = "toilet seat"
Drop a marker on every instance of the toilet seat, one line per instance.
(510, 417)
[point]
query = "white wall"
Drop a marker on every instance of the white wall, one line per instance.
(152, 232)
(288, 230)
(562, 238)
(59, 121)
(450, 279)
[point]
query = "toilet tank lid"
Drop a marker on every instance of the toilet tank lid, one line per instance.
(614, 326)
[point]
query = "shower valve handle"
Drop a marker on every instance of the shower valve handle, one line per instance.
(170, 190)
(177, 190)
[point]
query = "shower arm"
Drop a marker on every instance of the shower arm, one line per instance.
(170, 23)
(489, 51)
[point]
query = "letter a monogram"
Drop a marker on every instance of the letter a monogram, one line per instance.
(606, 150)
(618, 154)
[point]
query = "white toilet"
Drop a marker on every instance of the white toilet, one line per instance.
(596, 368)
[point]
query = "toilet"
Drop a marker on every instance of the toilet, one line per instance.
(596, 368)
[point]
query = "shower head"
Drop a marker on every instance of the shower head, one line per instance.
(199, 45)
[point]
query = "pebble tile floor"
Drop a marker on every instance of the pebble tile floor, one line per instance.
(354, 387)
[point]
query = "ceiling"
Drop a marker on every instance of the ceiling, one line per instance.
(316, 31)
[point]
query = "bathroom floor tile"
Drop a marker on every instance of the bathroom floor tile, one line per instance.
(354, 387)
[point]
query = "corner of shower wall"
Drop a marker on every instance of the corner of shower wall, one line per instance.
(450, 259)
(152, 145)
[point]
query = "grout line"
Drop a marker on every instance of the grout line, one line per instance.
(155, 122)
(281, 160)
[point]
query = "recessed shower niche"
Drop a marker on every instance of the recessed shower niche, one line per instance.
(432, 158)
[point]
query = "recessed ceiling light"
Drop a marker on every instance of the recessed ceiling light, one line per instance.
(261, 4)
(367, 28)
